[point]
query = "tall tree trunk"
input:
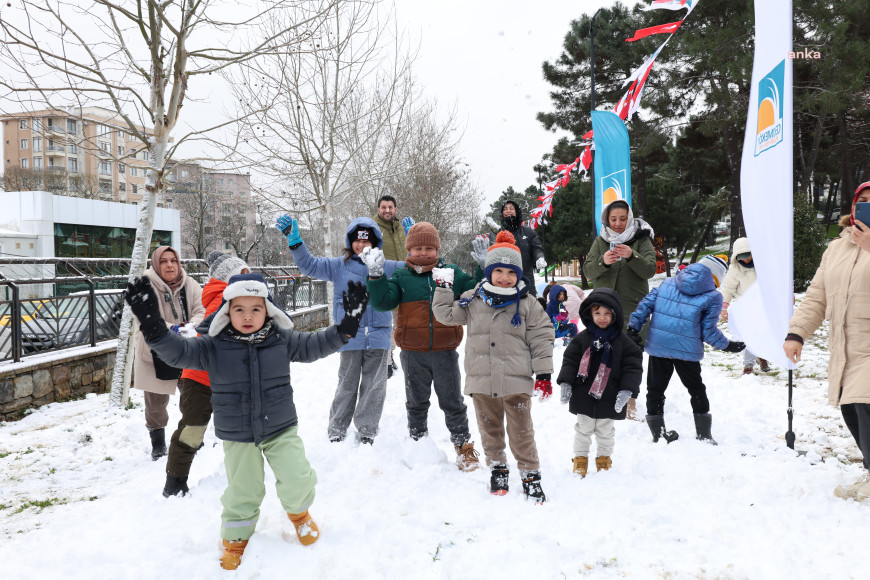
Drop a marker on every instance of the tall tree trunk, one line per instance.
(732, 154)
(641, 187)
(806, 174)
(707, 228)
(846, 180)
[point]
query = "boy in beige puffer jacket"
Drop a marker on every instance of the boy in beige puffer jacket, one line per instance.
(741, 275)
(510, 342)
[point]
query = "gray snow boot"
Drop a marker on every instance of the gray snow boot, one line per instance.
(158, 443)
(703, 422)
(657, 428)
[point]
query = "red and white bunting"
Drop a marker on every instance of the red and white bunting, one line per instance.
(668, 28)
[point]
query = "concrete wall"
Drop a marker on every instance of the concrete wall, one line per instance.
(45, 379)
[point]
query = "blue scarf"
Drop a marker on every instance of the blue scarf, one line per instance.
(496, 297)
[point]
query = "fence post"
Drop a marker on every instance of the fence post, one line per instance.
(16, 323)
(92, 312)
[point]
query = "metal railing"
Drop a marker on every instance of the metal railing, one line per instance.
(50, 304)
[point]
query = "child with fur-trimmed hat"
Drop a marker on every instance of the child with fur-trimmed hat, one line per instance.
(601, 370)
(428, 354)
(685, 312)
(246, 349)
(509, 345)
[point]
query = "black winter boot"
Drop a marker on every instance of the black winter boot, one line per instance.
(657, 427)
(703, 422)
(158, 443)
(175, 485)
(532, 486)
(498, 481)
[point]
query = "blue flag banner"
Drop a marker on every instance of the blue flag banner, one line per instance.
(612, 161)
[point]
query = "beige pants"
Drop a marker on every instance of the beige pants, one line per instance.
(491, 415)
(156, 414)
(604, 431)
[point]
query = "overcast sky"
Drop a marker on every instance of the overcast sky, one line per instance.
(486, 56)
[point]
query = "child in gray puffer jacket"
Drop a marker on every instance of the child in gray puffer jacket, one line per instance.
(246, 349)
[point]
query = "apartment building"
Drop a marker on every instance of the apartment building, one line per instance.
(215, 207)
(87, 151)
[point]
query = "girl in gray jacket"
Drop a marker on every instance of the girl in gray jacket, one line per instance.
(245, 350)
(510, 340)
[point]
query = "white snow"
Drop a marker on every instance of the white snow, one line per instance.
(80, 496)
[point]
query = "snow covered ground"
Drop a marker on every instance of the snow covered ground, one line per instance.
(81, 498)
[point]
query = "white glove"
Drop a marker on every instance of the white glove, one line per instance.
(443, 277)
(480, 245)
(541, 264)
(373, 258)
(188, 330)
(565, 398)
(622, 398)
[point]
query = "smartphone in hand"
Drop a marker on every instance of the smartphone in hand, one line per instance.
(614, 244)
(862, 214)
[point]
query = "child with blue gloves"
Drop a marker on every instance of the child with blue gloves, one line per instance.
(364, 360)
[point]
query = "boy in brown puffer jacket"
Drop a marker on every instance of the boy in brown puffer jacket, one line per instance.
(510, 339)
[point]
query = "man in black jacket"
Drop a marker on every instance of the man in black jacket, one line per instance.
(526, 240)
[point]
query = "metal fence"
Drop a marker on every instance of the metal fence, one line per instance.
(49, 304)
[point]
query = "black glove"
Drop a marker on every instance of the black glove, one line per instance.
(634, 335)
(734, 346)
(143, 302)
(355, 299)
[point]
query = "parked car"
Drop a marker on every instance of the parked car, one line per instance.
(64, 322)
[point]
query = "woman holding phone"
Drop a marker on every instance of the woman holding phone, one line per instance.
(623, 258)
(840, 293)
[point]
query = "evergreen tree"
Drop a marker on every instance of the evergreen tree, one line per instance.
(809, 242)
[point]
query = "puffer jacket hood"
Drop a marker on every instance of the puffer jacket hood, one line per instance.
(695, 279)
(741, 246)
(365, 223)
(605, 297)
(516, 207)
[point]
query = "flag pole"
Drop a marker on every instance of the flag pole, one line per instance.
(789, 435)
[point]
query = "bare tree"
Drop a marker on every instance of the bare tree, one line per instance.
(197, 203)
(137, 59)
(334, 119)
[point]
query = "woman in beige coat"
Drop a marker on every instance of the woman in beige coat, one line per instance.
(840, 293)
(180, 301)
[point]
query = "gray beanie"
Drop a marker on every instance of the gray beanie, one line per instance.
(223, 266)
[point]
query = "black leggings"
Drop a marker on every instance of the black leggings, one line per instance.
(857, 418)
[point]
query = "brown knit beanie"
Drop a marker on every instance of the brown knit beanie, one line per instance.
(422, 234)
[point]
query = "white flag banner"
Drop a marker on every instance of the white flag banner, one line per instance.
(761, 315)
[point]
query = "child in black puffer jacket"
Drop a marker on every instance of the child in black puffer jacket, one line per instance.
(601, 370)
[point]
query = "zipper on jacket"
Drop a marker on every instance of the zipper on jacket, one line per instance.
(431, 323)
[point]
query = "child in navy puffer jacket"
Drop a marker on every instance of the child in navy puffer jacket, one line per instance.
(686, 309)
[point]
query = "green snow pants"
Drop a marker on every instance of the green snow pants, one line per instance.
(246, 486)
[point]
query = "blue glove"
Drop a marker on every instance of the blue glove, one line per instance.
(175, 328)
(289, 228)
(407, 223)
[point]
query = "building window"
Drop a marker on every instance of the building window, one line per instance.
(37, 144)
(105, 186)
(73, 165)
(72, 148)
(37, 162)
(25, 163)
(120, 150)
(121, 168)
(105, 168)
(220, 181)
(229, 181)
(134, 172)
(135, 187)
(72, 126)
(104, 131)
(24, 143)
(22, 124)
(85, 241)
(37, 125)
(105, 148)
(184, 172)
(122, 186)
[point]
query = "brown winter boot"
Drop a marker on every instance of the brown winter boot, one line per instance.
(232, 556)
(603, 462)
(467, 457)
(763, 365)
(306, 530)
(581, 466)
